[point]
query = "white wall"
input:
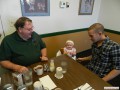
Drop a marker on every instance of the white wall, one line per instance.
(110, 14)
(59, 19)
(1, 30)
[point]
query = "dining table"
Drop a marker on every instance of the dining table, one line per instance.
(75, 76)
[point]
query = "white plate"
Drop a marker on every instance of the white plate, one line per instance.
(59, 77)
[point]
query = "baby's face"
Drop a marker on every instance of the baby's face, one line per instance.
(69, 45)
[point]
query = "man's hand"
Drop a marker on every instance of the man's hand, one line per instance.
(43, 58)
(15, 67)
(20, 69)
(85, 58)
(80, 59)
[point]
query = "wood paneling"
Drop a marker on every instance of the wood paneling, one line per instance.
(114, 37)
(81, 40)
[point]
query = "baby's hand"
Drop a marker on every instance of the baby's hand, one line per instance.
(72, 53)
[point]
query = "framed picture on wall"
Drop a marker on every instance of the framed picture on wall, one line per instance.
(35, 7)
(86, 7)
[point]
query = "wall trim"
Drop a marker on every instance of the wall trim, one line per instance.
(112, 31)
(74, 31)
(62, 32)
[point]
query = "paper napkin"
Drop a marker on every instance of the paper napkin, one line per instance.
(47, 82)
(85, 86)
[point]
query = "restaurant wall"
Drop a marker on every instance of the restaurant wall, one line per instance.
(109, 14)
(60, 19)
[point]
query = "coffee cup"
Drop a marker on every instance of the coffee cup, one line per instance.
(38, 69)
(37, 85)
(0, 80)
(8, 87)
(58, 89)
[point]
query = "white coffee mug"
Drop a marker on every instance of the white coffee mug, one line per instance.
(38, 69)
(37, 85)
(0, 80)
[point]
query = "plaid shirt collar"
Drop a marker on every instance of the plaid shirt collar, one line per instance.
(104, 42)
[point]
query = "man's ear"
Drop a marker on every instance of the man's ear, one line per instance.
(100, 33)
(19, 29)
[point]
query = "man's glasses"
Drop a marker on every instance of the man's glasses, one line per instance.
(29, 29)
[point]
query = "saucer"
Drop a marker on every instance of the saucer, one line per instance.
(59, 77)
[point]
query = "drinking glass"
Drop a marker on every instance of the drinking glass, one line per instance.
(64, 65)
(27, 76)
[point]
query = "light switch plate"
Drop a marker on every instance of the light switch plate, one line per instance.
(62, 4)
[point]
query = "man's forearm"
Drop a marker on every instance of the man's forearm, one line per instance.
(85, 58)
(44, 55)
(44, 52)
(9, 65)
(111, 75)
(88, 58)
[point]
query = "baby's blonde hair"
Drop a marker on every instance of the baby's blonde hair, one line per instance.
(69, 41)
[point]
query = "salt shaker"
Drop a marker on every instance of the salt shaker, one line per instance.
(52, 66)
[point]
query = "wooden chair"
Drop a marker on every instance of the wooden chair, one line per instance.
(60, 52)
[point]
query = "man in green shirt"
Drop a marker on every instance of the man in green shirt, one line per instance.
(23, 47)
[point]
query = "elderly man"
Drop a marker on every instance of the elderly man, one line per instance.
(23, 47)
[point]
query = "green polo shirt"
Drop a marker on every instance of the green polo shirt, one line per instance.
(21, 52)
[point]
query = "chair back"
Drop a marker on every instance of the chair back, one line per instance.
(58, 53)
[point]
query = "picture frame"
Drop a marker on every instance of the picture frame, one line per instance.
(86, 7)
(35, 7)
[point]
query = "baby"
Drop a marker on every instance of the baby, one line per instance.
(69, 49)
